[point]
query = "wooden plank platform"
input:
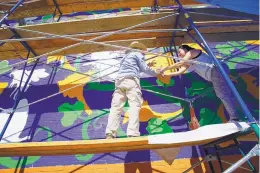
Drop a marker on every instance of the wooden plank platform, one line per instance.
(44, 7)
(85, 147)
(149, 35)
(104, 145)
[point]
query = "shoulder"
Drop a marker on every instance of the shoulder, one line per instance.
(195, 53)
(138, 55)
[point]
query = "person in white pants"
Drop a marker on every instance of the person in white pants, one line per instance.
(127, 87)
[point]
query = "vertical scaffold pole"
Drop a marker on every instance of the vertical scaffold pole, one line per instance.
(242, 104)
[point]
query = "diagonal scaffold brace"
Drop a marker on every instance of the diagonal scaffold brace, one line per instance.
(251, 120)
(10, 12)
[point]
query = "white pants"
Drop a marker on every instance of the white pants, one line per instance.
(126, 88)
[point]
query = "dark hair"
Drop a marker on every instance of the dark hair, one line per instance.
(185, 47)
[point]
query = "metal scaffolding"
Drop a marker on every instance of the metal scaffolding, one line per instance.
(177, 27)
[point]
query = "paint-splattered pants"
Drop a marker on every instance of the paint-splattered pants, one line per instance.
(223, 91)
(126, 89)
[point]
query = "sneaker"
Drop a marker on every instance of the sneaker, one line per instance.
(109, 136)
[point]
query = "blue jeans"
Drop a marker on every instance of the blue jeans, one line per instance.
(223, 91)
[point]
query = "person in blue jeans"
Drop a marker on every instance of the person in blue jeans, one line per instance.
(211, 74)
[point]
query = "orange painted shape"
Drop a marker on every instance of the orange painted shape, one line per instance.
(252, 88)
(146, 113)
(77, 92)
(178, 166)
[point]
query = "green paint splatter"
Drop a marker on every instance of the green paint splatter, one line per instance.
(5, 67)
(158, 126)
(70, 113)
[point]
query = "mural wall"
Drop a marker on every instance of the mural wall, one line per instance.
(81, 113)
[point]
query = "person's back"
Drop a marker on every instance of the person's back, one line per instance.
(133, 64)
(202, 70)
(127, 87)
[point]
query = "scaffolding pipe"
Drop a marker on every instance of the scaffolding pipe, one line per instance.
(254, 152)
(245, 110)
(11, 11)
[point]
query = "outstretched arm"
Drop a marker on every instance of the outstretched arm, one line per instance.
(176, 65)
(144, 67)
(188, 56)
(179, 72)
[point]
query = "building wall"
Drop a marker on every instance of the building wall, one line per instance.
(81, 113)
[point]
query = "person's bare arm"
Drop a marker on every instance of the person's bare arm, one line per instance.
(189, 55)
(174, 66)
(179, 72)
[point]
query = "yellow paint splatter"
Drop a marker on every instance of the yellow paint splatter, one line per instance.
(146, 113)
(77, 92)
(63, 60)
(3, 85)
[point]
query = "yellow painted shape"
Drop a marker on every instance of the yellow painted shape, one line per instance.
(161, 62)
(77, 92)
(146, 113)
(256, 42)
(63, 59)
(3, 85)
(250, 86)
(30, 60)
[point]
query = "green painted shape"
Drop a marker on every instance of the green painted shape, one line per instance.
(146, 84)
(5, 67)
(165, 85)
(208, 117)
(99, 86)
(77, 63)
(47, 17)
(9, 162)
(158, 126)
(227, 50)
(70, 113)
(198, 88)
(84, 132)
